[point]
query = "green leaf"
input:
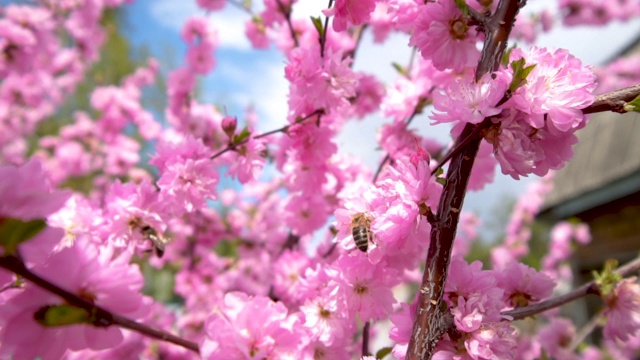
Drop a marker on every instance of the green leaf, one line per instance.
(383, 352)
(462, 5)
(242, 136)
(400, 69)
(520, 73)
(61, 315)
(608, 278)
(633, 105)
(13, 232)
(507, 54)
(441, 181)
(317, 23)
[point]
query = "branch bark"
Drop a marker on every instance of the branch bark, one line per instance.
(613, 101)
(431, 322)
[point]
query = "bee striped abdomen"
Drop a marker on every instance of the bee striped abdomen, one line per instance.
(362, 236)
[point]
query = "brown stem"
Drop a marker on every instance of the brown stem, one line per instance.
(268, 133)
(365, 339)
(286, 11)
(430, 322)
(323, 39)
(613, 101)
(477, 133)
(102, 316)
(430, 319)
(628, 269)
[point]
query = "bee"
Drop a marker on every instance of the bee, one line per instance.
(159, 242)
(361, 231)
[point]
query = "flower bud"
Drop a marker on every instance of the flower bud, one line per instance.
(229, 124)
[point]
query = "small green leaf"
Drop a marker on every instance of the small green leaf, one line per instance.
(13, 232)
(520, 73)
(383, 352)
(608, 278)
(507, 54)
(633, 105)
(441, 181)
(317, 23)
(462, 5)
(60, 315)
(244, 134)
(400, 69)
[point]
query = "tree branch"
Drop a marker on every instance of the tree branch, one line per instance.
(323, 38)
(430, 322)
(589, 288)
(365, 339)
(286, 11)
(268, 133)
(102, 316)
(613, 101)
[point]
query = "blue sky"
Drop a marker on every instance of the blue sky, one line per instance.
(244, 77)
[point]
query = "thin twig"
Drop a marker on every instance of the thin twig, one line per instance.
(101, 316)
(477, 132)
(365, 339)
(323, 39)
(628, 269)
(287, 15)
(268, 133)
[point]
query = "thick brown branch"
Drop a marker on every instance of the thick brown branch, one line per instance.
(430, 322)
(584, 290)
(497, 31)
(430, 319)
(613, 101)
(102, 316)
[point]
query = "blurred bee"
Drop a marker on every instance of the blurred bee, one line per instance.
(159, 242)
(361, 231)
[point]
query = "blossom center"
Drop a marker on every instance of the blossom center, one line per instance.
(458, 29)
(360, 289)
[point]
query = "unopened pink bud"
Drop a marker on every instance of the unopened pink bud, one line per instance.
(229, 124)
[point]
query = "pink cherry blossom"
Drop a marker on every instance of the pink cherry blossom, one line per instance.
(252, 327)
(623, 310)
(479, 99)
(557, 87)
(366, 287)
(523, 285)
(441, 34)
(350, 12)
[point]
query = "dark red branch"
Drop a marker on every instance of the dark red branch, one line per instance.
(431, 321)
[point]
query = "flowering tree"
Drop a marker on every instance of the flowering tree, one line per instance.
(258, 272)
